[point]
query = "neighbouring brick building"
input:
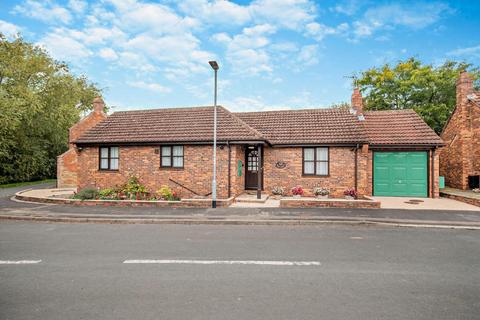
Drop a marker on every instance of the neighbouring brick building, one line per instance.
(460, 158)
(376, 152)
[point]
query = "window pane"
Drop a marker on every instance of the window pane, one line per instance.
(309, 154)
(166, 151)
(166, 162)
(309, 168)
(178, 150)
(104, 152)
(104, 164)
(178, 162)
(322, 168)
(114, 152)
(113, 164)
(322, 154)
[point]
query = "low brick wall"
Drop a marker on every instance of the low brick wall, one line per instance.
(184, 203)
(475, 202)
(366, 203)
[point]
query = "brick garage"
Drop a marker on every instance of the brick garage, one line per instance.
(460, 159)
(342, 141)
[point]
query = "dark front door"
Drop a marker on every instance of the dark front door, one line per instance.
(253, 166)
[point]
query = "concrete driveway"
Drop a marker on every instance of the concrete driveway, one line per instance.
(424, 204)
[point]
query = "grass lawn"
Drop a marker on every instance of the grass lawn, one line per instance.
(27, 183)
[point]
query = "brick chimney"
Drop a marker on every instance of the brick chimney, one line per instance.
(98, 105)
(464, 86)
(357, 102)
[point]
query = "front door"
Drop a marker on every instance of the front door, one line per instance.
(252, 165)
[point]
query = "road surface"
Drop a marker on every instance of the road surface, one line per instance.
(78, 271)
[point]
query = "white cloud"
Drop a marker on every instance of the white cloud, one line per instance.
(152, 86)
(290, 14)
(415, 16)
(9, 29)
(155, 18)
(466, 52)
(221, 37)
(108, 54)
(319, 31)
(216, 12)
(46, 11)
(63, 47)
(247, 52)
(348, 7)
(308, 55)
(93, 35)
(135, 61)
(78, 6)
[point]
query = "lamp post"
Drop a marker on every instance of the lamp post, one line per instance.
(214, 66)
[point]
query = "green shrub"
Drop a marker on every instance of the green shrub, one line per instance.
(166, 193)
(86, 194)
(107, 193)
(133, 189)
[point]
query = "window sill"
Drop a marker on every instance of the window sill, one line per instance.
(172, 168)
(315, 176)
(108, 170)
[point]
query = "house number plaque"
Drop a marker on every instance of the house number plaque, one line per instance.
(280, 164)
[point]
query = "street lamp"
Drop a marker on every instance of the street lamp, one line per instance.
(214, 66)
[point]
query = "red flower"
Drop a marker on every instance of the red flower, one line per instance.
(297, 191)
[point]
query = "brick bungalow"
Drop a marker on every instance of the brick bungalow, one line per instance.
(389, 153)
(460, 158)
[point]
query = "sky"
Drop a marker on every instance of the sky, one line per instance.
(273, 54)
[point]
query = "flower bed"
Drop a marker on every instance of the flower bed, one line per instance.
(310, 202)
(30, 195)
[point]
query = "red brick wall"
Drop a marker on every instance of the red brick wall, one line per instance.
(341, 176)
(67, 166)
(459, 158)
(144, 163)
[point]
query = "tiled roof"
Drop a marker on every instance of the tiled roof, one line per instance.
(309, 126)
(398, 127)
(169, 125)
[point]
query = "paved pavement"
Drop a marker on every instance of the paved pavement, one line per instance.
(9, 208)
(363, 272)
(408, 203)
(8, 192)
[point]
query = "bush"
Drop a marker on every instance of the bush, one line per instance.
(133, 189)
(166, 193)
(108, 193)
(297, 191)
(86, 194)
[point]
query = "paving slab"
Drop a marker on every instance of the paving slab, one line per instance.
(411, 203)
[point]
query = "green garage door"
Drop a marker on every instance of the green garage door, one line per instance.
(400, 174)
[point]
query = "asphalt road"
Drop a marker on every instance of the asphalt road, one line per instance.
(364, 272)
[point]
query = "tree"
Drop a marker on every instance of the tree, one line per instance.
(39, 100)
(428, 89)
(340, 106)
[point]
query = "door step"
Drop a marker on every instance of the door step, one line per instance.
(251, 198)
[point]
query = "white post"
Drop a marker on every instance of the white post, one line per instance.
(214, 179)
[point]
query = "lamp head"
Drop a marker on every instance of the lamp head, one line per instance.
(214, 65)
